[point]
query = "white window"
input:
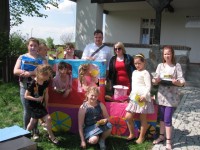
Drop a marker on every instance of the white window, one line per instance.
(147, 35)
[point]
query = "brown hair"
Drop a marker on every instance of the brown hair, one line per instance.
(33, 40)
(44, 69)
(172, 51)
(69, 45)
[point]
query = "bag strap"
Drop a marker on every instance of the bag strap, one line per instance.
(98, 49)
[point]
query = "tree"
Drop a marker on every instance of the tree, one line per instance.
(65, 38)
(11, 12)
(50, 42)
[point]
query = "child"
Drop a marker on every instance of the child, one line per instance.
(42, 51)
(69, 52)
(36, 92)
(168, 96)
(140, 100)
(62, 82)
(93, 120)
(88, 76)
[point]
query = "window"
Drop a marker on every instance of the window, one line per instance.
(147, 35)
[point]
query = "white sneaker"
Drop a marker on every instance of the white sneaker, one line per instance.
(102, 144)
(35, 136)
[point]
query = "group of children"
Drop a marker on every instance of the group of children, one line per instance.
(93, 119)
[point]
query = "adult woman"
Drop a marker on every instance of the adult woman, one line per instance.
(121, 67)
(24, 68)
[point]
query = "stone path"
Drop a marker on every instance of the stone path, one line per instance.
(186, 122)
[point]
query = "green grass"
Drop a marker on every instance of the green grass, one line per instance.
(11, 114)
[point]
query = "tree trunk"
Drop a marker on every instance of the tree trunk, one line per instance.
(4, 28)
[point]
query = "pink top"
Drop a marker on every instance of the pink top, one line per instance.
(60, 85)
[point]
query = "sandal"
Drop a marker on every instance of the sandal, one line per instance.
(168, 144)
(54, 141)
(160, 139)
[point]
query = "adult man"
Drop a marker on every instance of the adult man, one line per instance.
(103, 54)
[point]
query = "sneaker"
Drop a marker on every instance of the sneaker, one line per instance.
(102, 144)
(35, 136)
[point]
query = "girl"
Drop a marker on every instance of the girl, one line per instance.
(88, 76)
(24, 68)
(93, 120)
(62, 82)
(69, 52)
(42, 51)
(36, 92)
(140, 100)
(168, 96)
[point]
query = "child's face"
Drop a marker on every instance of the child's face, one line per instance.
(33, 47)
(92, 96)
(42, 51)
(69, 50)
(63, 71)
(139, 64)
(167, 55)
(43, 77)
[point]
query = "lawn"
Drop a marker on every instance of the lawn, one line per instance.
(11, 114)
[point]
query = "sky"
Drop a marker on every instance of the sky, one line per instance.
(60, 21)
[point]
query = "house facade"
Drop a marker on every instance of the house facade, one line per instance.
(133, 21)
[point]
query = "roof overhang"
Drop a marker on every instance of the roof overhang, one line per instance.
(114, 1)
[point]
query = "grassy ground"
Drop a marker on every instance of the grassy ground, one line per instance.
(11, 114)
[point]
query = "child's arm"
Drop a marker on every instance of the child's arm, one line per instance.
(105, 113)
(81, 118)
(29, 97)
(46, 96)
(147, 80)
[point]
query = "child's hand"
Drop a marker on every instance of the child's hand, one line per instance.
(101, 122)
(66, 93)
(83, 144)
(40, 98)
(156, 80)
(142, 99)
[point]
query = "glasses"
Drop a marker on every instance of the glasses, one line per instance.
(119, 49)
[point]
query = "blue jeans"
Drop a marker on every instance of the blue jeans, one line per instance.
(26, 113)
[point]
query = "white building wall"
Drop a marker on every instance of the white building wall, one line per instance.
(124, 26)
(89, 17)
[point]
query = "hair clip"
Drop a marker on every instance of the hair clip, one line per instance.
(139, 55)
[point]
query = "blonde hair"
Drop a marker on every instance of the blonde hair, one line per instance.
(44, 69)
(84, 68)
(121, 45)
(92, 89)
(140, 56)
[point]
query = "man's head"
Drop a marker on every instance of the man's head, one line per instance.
(98, 37)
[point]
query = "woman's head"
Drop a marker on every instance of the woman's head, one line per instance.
(69, 48)
(43, 72)
(168, 55)
(139, 61)
(119, 48)
(92, 93)
(33, 45)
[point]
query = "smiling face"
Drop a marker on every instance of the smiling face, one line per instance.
(33, 47)
(92, 96)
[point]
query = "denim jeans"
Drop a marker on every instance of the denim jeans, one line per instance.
(26, 113)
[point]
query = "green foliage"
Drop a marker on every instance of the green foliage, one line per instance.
(17, 44)
(12, 111)
(41, 40)
(50, 43)
(28, 8)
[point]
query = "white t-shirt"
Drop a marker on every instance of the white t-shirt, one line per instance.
(103, 54)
